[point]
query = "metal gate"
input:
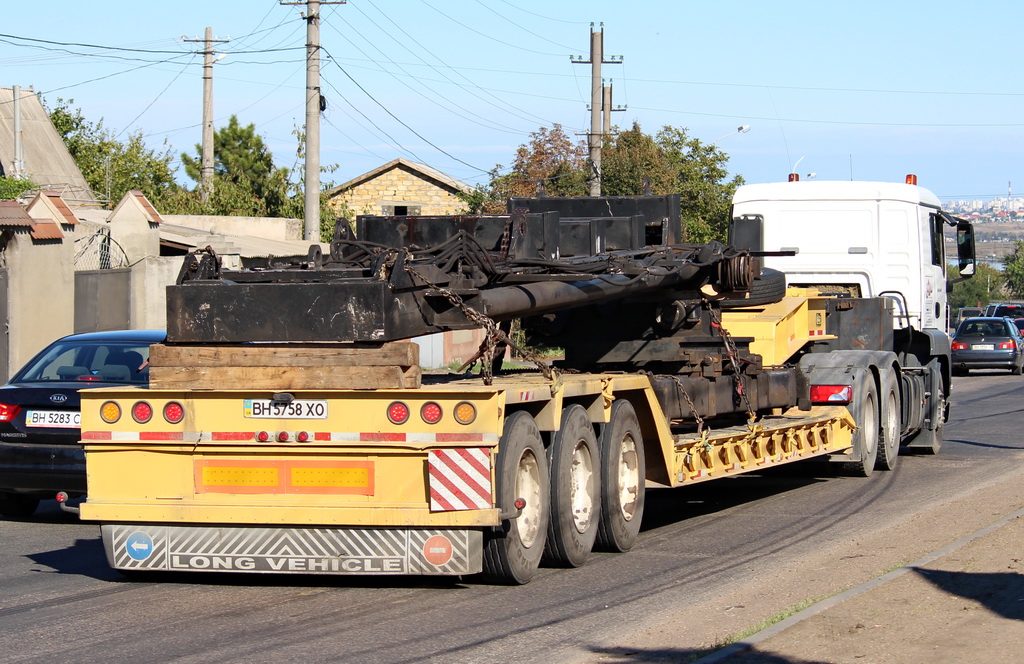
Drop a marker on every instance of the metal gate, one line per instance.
(103, 285)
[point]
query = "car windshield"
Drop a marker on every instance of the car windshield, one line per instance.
(96, 361)
(990, 328)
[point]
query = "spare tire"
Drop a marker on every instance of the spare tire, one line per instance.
(768, 287)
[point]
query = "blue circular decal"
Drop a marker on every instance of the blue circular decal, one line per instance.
(139, 546)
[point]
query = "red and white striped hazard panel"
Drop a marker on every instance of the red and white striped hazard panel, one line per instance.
(460, 479)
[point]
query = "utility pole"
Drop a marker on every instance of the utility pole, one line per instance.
(606, 106)
(594, 138)
(311, 180)
(206, 165)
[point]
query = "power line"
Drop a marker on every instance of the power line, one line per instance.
(155, 99)
(507, 19)
(484, 34)
(400, 121)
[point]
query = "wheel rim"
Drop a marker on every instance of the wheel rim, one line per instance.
(581, 486)
(870, 425)
(629, 478)
(528, 487)
(892, 420)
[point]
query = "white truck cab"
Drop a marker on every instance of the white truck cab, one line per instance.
(858, 239)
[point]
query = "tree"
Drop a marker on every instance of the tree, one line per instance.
(1013, 270)
(674, 163)
(245, 181)
(112, 167)
(11, 188)
(979, 290)
(550, 160)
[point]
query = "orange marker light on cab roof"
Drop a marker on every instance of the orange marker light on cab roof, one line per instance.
(911, 178)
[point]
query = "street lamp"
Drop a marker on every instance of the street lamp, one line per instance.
(742, 129)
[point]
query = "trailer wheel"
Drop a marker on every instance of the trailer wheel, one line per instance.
(18, 505)
(890, 412)
(512, 554)
(622, 480)
(574, 461)
(865, 439)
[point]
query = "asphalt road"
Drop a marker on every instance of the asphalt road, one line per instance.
(60, 602)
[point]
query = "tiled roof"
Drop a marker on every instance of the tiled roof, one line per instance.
(46, 230)
(151, 214)
(422, 169)
(12, 213)
(68, 217)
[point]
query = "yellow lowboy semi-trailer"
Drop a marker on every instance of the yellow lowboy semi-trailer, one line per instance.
(452, 477)
(403, 481)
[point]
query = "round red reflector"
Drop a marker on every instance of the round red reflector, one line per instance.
(520, 503)
(437, 550)
(282, 436)
(431, 412)
(302, 436)
(262, 436)
(142, 412)
(174, 412)
(398, 412)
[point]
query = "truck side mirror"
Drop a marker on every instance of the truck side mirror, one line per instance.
(965, 248)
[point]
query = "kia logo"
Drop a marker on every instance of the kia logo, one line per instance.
(58, 398)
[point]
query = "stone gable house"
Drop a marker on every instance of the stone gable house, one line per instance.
(401, 187)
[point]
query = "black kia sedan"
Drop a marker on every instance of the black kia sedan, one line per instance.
(39, 412)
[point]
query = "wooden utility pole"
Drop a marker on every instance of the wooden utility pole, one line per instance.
(311, 179)
(206, 163)
(595, 138)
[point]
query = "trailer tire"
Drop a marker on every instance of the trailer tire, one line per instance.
(929, 441)
(622, 479)
(889, 410)
(768, 287)
(512, 553)
(574, 462)
(18, 505)
(865, 439)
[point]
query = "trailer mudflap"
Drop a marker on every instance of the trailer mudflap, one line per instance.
(194, 548)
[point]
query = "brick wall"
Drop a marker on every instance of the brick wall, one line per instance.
(400, 186)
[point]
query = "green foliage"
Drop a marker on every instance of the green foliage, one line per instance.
(674, 162)
(110, 166)
(11, 188)
(245, 182)
(986, 285)
(1013, 270)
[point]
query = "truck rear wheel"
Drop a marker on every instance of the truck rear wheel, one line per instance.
(890, 412)
(865, 439)
(574, 461)
(622, 480)
(512, 554)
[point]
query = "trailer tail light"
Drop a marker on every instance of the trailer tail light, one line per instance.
(302, 436)
(110, 412)
(8, 413)
(431, 412)
(465, 412)
(831, 393)
(398, 412)
(262, 436)
(1008, 345)
(174, 412)
(142, 412)
(911, 178)
(959, 345)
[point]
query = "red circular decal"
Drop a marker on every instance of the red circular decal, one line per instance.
(437, 550)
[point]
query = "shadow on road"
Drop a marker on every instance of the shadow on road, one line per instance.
(680, 655)
(999, 592)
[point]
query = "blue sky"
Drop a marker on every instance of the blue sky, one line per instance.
(870, 90)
